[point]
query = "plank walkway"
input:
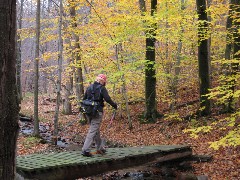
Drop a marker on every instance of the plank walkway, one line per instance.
(72, 165)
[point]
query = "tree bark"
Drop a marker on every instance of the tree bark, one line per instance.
(9, 106)
(226, 69)
(236, 49)
(150, 79)
(19, 52)
(124, 89)
(77, 50)
(228, 38)
(203, 58)
(177, 69)
(36, 71)
(150, 72)
(209, 4)
(69, 84)
(236, 46)
(59, 80)
(142, 5)
(67, 103)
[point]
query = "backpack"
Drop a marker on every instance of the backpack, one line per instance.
(90, 106)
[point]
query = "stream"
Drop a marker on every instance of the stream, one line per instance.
(27, 128)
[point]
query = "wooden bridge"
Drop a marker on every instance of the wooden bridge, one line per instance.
(72, 165)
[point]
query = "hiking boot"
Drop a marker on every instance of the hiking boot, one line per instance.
(101, 151)
(87, 153)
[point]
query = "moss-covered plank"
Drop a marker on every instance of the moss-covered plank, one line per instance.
(73, 164)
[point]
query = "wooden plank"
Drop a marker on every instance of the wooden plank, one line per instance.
(71, 165)
(201, 158)
(173, 156)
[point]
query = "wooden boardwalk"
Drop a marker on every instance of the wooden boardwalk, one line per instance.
(72, 165)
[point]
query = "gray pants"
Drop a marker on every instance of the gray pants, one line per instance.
(94, 133)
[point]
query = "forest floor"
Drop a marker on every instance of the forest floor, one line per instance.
(224, 165)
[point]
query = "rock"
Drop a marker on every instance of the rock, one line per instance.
(185, 165)
(202, 177)
(18, 177)
(167, 172)
(187, 177)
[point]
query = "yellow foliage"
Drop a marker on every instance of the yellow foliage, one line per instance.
(195, 131)
(50, 56)
(172, 117)
(231, 139)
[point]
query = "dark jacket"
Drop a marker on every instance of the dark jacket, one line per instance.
(100, 95)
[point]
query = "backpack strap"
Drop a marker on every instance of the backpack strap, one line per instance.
(93, 90)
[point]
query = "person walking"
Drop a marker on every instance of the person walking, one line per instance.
(100, 95)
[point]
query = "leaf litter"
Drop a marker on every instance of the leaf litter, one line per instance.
(225, 163)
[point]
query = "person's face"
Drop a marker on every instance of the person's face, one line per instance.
(102, 82)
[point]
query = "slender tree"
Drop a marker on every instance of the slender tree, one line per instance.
(69, 84)
(36, 71)
(209, 4)
(59, 80)
(228, 54)
(77, 57)
(203, 57)
(232, 51)
(229, 34)
(9, 107)
(173, 86)
(236, 45)
(19, 51)
(123, 88)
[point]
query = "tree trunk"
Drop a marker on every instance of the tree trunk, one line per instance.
(232, 47)
(236, 50)
(124, 89)
(78, 69)
(226, 69)
(150, 72)
(150, 113)
(173, 88)
(228, 39)
(67, 106)
(19, 52)
(9, 107)
(59, 80)
(142, 5)
(236, 46)
(36, 71)
(209, 3)
(203, 58)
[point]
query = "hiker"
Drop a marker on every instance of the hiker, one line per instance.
(101, 94)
